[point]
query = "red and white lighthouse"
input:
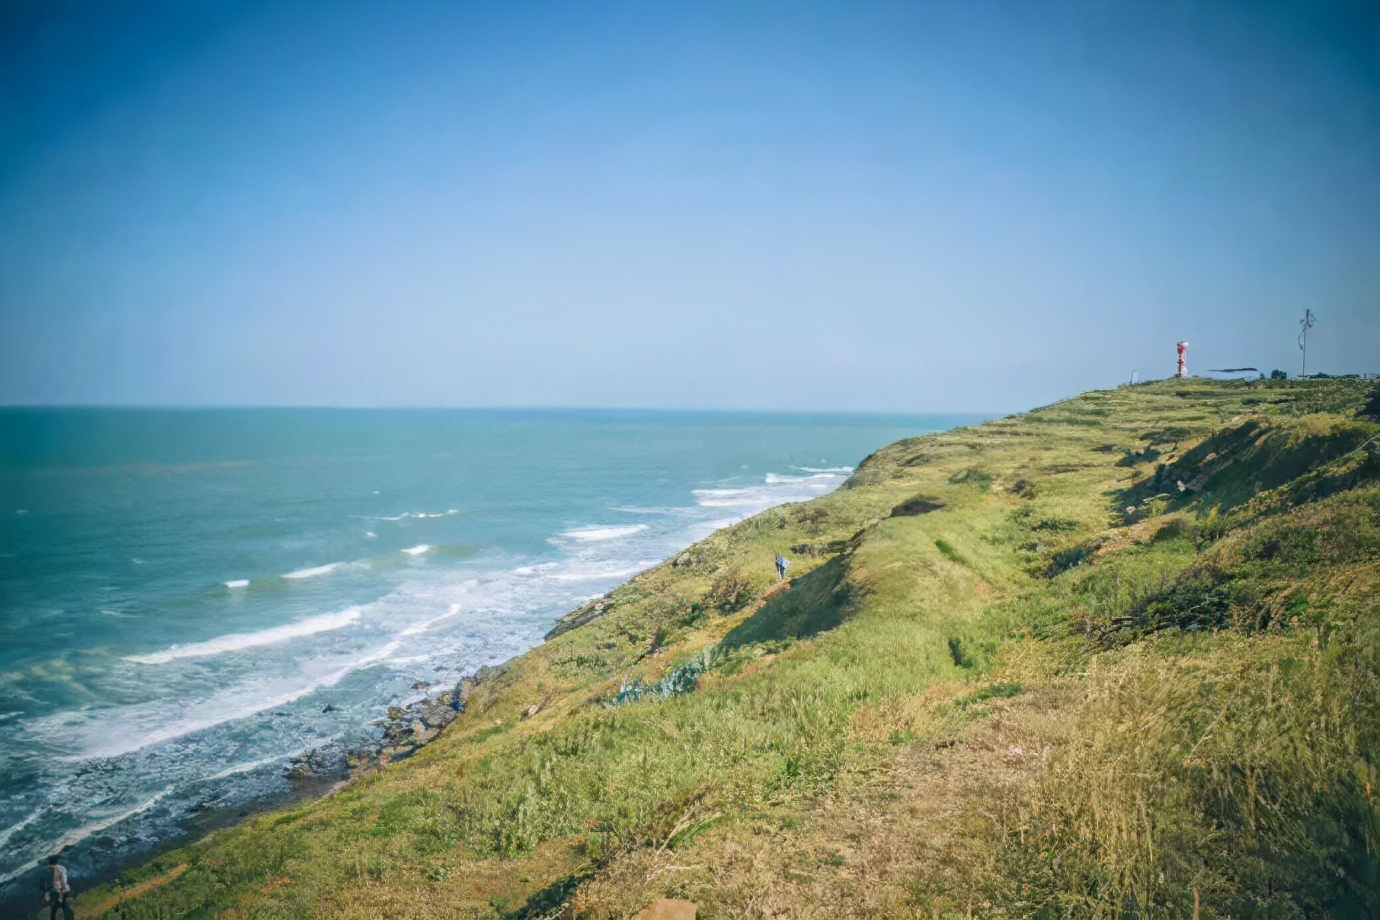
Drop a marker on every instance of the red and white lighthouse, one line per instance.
(1183, 362)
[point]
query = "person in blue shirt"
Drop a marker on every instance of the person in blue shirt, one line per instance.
(781, 563)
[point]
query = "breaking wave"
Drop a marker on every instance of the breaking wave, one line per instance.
(234, 642)
(314, 572)
(595, 532)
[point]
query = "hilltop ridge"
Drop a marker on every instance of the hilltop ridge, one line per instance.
(1117, 656)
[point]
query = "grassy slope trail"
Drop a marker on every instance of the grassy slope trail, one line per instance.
(1105, 658)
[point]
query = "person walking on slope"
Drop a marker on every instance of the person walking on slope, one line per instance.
(56, 889)
(781, 563)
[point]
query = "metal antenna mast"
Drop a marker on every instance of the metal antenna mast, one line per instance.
(1307, 323)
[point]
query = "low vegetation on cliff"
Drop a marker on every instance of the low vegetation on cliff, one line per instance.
(1116, 657)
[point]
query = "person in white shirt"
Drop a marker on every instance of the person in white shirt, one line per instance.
(56, 889)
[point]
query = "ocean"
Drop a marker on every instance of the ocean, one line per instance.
(189, 598)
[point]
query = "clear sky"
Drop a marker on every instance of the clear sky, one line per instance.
(909, 206)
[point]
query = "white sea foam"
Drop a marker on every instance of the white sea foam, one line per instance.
(420, 515)
(13, 829)
(123, 729)
(826, 469)
(820, 480)
(409, 659)
(775, 489)
(638, 509)
(730, 498)
(417, 550)
(418, 628)
(610, 532)
(603, 574)
(237, 583)
(249, 765)
(86, 830)
(583, 570)
(502, 611)
(314, 572)
(235, 642)
(371, 535)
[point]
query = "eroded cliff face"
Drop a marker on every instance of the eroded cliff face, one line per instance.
(1117, 656)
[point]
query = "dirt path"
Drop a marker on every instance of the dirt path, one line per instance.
(116, 897)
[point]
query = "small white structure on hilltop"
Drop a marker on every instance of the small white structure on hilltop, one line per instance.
(1183, 361)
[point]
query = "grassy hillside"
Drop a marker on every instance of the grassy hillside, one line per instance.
(1117, 657)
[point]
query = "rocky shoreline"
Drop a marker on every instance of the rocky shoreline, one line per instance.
(401, 733)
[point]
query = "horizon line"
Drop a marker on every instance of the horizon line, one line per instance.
(220, 407)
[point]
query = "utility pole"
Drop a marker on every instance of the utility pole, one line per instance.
(1307, 323)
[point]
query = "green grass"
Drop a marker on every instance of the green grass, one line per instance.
(989, 691)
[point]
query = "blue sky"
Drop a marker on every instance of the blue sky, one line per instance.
(910, 206)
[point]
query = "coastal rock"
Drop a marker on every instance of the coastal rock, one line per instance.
(421, 733)
(396, 733)
(438, 712)
(581, 615)
(536, 707)
(403, 731)
(328, 761)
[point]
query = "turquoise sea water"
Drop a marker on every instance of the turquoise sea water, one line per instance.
(182, 593)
